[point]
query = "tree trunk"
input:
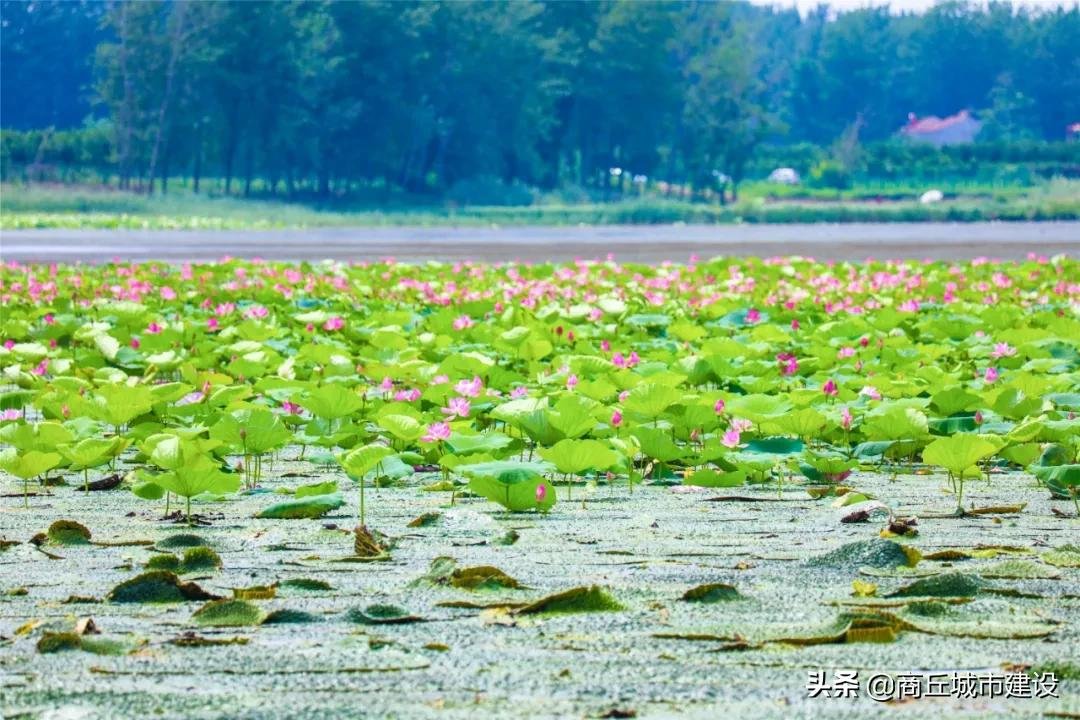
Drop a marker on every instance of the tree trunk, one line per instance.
(165, 171)
(176, 47)
(125, 129)
(249, 161)
(324, 170)
(197, 171)
(230, 151)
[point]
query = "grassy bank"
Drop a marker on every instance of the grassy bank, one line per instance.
(73, 207)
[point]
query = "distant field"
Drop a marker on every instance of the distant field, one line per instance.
(24, 207)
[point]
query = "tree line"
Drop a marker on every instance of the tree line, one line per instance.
(324, 96)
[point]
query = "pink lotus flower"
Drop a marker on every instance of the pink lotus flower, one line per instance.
(618, 360)
(978, 417)
(407, 395)
(571, 382)
(462, 322)
(469, 388)
(135, 343)
(9, 344)
(334, 323)
(10, 414)
(829, 388)
(871, 392)
(457, 407)
(753, 315)
(153, 328)
(846, 352)
(741, 424)
(541, 492)
(191, 398)
(519, 392)
(633, 359)
(42, 367)
(718, 406)
(730, 439)
(387, 384)
(212, 324)
(845, 418)
(291, 408)
(623, 395)
(224, 309)
(605, 346)
(436, 432)
(616, 418)
(1002, 350)
(991, 375)
(795, 324)
(440, 380)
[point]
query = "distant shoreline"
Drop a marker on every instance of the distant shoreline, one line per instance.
(87, 207)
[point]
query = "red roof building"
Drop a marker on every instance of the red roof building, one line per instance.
(952, 130)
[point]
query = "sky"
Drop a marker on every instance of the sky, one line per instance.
(896, 5)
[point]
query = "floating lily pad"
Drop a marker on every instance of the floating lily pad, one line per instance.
(949, 555)
(59, 642)
(107, 646)
(307, 584)
(382, 615)
(190, 639)
(712, 593)
(947, 585)
(484, 577)
(200, 558)
(474, 605)
(1020, 569)
(157, 586)
(196, 559)
(255, 592)
(316, 489)
(425, 520)
(228, 613)
(997, 510)
(52, 642)
(1064, 556)
(940, 619)
(68, 532)
(182, 540)
(845, 628)
(508, 538)
(311, 506)
(590, 598)
(877, 553)
(285, 616)
(163, 561)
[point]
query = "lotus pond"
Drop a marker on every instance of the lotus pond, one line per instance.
(583, 490)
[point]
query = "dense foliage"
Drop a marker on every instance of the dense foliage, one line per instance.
(476, 99)
(513, 377)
